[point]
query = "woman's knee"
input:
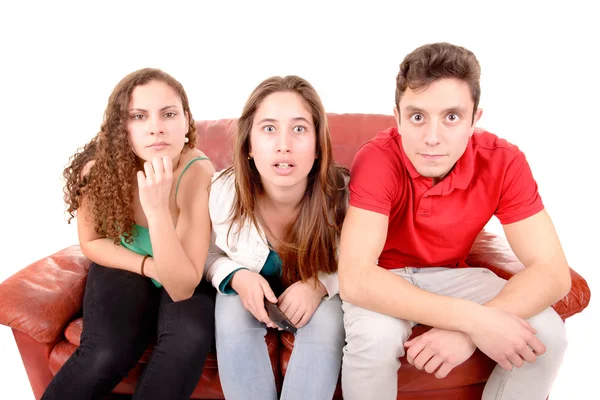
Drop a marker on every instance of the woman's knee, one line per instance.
(109, 359)
(231, 318)
(326, 324)
(186, 331)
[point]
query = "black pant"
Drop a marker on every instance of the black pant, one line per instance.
(120, 312)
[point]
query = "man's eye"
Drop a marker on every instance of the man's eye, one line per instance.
(417, 118)
(453, 117)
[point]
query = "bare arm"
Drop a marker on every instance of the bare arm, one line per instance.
(104, 251)
(366, 285)
(544, 281)
(180, 253)
(499, 334)
(546, 278)
(98, 249)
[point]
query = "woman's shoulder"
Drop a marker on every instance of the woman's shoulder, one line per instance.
(194, 173)
(195, 163)
(194, 156)
(86, 169)
(222, 196)
(222, 185)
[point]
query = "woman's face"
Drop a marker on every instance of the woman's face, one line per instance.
(283, 140)
(157, 124)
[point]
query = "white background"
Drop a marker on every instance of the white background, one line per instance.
(59, 62)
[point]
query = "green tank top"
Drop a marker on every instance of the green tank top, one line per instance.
(141, 243)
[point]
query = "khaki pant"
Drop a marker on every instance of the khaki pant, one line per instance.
(375, 342)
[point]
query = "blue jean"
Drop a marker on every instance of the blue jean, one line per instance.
(244, 365)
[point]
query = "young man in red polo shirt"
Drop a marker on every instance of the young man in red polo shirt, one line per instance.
(423, 191)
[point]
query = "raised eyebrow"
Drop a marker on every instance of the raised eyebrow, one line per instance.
(301, 119)
(411, 108)
(262, 121)
(455, 110)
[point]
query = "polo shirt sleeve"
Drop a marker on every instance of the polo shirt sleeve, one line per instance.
(519, 198)
(373, 182)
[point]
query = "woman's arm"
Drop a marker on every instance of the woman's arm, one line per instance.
(98, 249)
(180, 252)
(103, 251)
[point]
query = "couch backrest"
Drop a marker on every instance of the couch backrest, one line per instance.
(348, 133)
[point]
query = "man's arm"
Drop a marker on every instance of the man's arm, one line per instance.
(366, 285)
(504, 337)
(544, 281)
(546, 278)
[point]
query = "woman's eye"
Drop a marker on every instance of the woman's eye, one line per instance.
(299, 129)
(269, 128)
(137, 116)
(170, 115)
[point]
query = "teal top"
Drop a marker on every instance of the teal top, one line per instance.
(271, 268)
(141, 243)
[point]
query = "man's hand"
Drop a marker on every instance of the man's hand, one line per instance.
(300, 300)
(252, 289)
(439, 351)
(505, 338)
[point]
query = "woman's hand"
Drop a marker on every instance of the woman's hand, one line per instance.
(252, 289)
(154, 185)
(300, 300)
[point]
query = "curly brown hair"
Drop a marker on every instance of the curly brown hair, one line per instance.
(110, 185)
(310, 242)
(436, 61)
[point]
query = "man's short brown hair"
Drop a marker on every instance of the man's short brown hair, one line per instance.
(435, 61)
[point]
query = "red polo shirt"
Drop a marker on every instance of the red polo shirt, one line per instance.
(433, 226)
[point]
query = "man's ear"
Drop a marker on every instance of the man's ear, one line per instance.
(476, 118)
(397, 117)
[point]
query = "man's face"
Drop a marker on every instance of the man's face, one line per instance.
(435, 124)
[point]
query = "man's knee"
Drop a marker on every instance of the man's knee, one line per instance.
(552, 333)
(376, 339)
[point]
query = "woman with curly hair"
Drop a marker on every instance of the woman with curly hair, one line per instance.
(140, 192)
(276, 215)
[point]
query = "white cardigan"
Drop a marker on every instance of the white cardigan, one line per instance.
(246, 247)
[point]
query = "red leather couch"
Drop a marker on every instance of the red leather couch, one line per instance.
(42, 302)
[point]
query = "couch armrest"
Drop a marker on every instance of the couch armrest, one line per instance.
(493, 252)
(41, 299)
